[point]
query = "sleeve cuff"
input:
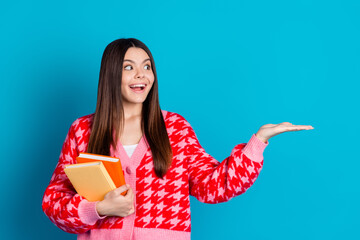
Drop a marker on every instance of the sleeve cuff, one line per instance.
(254, 149)
(88, 213)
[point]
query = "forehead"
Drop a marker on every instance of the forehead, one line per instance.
(136, 54)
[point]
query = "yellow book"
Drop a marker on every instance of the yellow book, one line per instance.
(90, 180)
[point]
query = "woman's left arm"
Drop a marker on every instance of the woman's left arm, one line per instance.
(213, 182)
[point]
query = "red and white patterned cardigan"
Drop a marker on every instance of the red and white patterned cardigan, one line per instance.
(162, 206)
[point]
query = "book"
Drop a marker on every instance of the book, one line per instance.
(112, 165)
(90, 180)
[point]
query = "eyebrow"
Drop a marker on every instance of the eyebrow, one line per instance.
(148, 59)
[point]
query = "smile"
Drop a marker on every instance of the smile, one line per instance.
(138, 88)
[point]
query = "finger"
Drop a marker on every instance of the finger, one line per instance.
(303, 126)
(269, 125)
(132, 210)
(285, 123)
(121, 189)
(297, 128)
(129, 193)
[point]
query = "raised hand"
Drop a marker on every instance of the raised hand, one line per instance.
(269, 130)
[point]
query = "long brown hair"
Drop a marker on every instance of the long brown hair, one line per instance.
(109, 113)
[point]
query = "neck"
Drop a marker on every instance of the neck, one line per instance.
(132, 110)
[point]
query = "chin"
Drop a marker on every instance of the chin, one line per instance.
(134, 101)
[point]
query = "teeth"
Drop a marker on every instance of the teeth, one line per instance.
(137, 85)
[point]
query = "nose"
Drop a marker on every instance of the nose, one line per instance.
(139, 73)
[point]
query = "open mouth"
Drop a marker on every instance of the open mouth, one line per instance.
(138, 87)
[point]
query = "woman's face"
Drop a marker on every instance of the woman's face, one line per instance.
(137, 76)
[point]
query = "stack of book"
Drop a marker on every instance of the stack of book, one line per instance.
(95, 175)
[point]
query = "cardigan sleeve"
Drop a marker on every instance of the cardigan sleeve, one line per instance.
(211, 181)
(65, 208)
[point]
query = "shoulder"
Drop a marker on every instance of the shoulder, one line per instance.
(172, 118)
(82, 123)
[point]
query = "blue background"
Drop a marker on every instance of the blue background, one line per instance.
(228, 67)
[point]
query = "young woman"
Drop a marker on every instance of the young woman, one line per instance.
(162, 159)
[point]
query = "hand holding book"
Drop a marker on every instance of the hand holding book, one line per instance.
(115, 204)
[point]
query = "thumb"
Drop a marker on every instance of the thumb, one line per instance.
(285, 123)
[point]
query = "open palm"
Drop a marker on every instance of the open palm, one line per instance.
(270, 130)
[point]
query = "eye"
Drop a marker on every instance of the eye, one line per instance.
(128, 67)
(147, 67)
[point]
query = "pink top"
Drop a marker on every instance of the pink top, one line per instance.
(162, 206)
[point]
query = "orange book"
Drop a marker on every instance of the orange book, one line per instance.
(112, 165)
(90, 180)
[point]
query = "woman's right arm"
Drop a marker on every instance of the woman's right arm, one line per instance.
(64, 207)
(70, 211)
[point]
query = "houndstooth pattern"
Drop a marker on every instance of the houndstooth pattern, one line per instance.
(160, 203)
